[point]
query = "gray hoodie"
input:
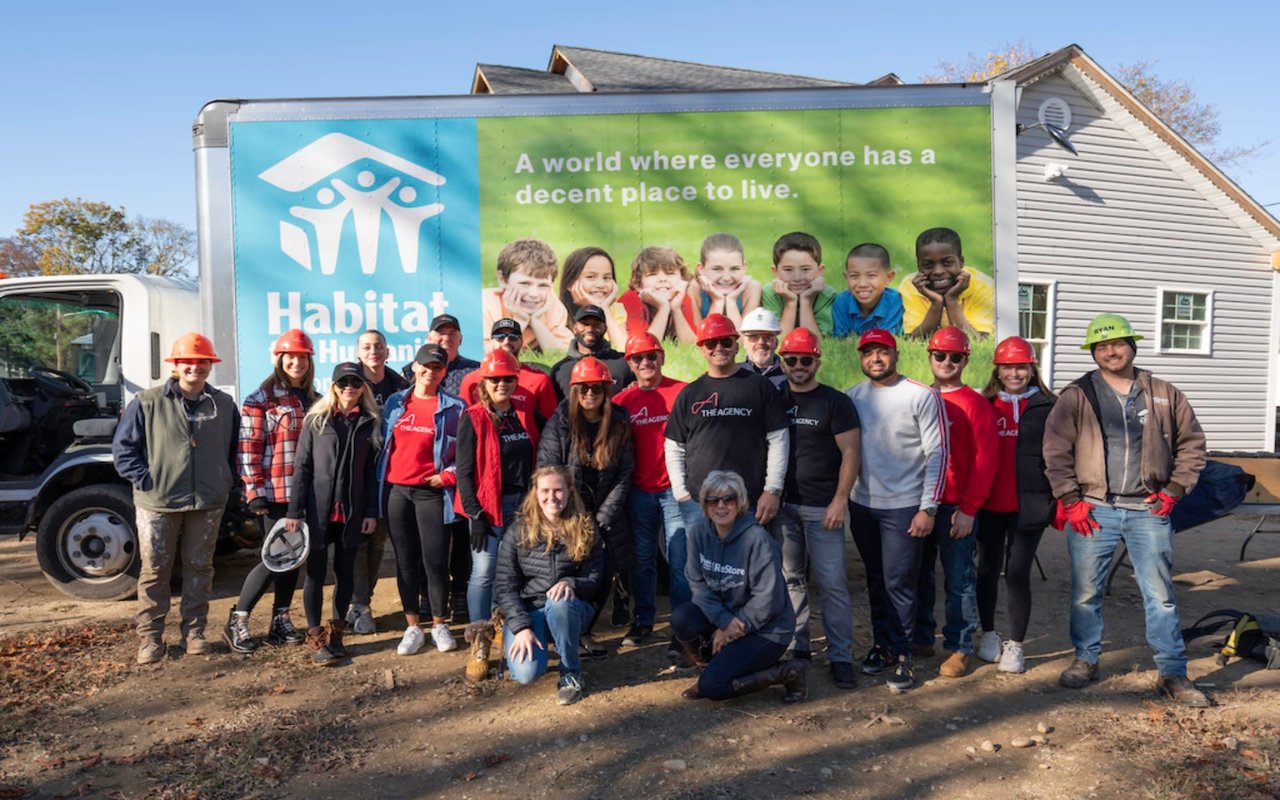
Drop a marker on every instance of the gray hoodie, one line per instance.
(740, 576)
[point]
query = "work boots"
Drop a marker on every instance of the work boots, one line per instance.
(318, 644)
(480, 637)
(792, 675)
(336, 628)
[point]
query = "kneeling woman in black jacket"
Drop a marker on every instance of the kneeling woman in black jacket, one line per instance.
(335, 491)
(549, 561)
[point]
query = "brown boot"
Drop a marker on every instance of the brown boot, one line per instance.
(692, 693)
(336, 628)
(795, 680)
(690, 656)
(495, 647)
(317, 643)
(956, 666)
(480, 635)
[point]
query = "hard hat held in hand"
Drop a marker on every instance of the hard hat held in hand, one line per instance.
(1106, 327)
(192, 347)
(283, 549)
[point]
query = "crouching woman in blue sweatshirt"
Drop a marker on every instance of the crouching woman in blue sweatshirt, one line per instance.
(740, 621)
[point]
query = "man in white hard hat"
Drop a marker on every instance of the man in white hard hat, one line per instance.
(760, 329)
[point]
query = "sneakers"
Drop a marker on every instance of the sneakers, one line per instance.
(360, 618)
(570, 689)
(412, 641)
(842, 674)
(1012, 658)
(989, 647)
(1078, 675)
(903, 676)
(590, 649)
(197, 645)
(150, 651)
(1180, 690)
(318, 643)
(956, 666)
(282, 630)
(637, 635)
(875, 662)
(443, 638)
(236, 633)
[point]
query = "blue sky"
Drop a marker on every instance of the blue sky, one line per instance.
(98, 98)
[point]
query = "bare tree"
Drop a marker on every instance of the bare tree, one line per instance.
(164, 247)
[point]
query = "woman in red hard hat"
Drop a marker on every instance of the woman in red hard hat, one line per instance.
(270, 424)
(1020, 504)
(592, 438)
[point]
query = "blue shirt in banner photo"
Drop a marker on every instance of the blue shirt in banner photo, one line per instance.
(848, 319)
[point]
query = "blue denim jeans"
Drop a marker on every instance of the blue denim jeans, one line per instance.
(653, 513)
(960, 582)
(892, 560)
(744, 656)
(484, 566)
(808, 545)
(565, 619)
(1149, 540)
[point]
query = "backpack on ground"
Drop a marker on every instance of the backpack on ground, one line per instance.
(1254, 636)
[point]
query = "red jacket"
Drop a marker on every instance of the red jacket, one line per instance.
(975, 449)
(486, 461)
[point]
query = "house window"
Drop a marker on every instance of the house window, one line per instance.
(1185, 321)
(1035, 321)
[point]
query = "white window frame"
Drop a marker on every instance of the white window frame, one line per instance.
(1206, 341)
(1050, 325)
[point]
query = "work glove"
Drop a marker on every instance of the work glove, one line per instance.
(1161, 503)
(480, 531)
(1079, 515)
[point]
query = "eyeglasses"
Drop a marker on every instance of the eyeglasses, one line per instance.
(503, 337)
(501, 379)
(591, 388)
(350, 383)
(954, 358)
(760, 337)
(726, 343)
(804, 361)
(723, 499)
(638, 357)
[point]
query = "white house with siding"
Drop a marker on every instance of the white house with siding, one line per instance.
(1138, 223)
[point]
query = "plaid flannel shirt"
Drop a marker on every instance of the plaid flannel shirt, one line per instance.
(269, 431)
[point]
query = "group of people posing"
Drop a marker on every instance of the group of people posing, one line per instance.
(550, 498)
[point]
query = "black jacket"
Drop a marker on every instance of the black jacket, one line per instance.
(1035, 498)
(319, 479)
(611, 486)
(612, 359)
(525, 574)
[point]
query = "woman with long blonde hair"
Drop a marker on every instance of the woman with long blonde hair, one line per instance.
(550, 561)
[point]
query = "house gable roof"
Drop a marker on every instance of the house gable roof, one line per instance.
(497, 79)
(606, 71)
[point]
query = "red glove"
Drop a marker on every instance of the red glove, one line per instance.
(1161, 504)
(1079, 515)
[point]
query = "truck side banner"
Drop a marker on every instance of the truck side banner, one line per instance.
(349, 224)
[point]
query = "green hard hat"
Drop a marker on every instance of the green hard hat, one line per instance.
(1105, 327)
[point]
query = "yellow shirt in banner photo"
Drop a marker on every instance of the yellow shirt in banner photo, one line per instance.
(978, 302)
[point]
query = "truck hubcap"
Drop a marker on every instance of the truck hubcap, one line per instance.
(98, 543)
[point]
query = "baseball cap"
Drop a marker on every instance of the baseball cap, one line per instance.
(442, 320)
(431, 354)
(348, 369)
(589, 311)
(877, 336)
(760, 319)
(505, 324)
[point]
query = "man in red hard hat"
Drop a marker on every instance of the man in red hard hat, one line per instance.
(971, 468)
(825, 437)
(728, 419)
(176, 444)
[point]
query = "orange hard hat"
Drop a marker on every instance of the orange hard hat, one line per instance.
(293, 341)
(801, 341)
(642, 343)
(192, 347)
(1014, 350)
(590, 370)
(499, 364)
(716, 326)
(949, 339)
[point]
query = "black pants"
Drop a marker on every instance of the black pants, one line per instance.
(344, 561)
(744, 656)
(459, 534)
(259, 578)
(998, 534)
(421, 543)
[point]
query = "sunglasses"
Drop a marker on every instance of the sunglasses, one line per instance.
(350, 383)
(804, 361)
(638, 357)
(501, 379)
(591, 388)
(503, 337)
(954, 358)
(723, 499)
(726, 343)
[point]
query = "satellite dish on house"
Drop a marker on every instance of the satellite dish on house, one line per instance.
(1058, 135)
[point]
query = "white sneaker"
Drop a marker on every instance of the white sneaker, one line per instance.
(989, 647)
(443, 639)
(1012, 659)
(412, 641)
(363, 623)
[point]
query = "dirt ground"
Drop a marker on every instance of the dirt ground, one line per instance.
(80, 719)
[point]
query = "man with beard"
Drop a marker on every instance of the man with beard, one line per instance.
(760, 329)
(589, 340)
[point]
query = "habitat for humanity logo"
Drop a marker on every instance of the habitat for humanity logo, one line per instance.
(377, 194)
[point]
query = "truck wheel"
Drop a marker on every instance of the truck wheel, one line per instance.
(88, 545)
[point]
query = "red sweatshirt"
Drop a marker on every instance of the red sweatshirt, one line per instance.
(974, 449)
(1004, 491)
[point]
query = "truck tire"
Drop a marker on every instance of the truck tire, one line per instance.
(87, 543)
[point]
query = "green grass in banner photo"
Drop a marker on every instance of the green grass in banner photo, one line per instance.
(600, 202)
